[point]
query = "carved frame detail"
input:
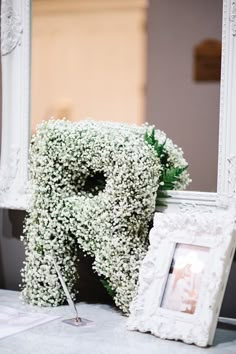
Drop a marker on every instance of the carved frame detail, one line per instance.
(233, 17)
(11, 28)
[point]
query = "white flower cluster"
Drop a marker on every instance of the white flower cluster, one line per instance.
(110, 223)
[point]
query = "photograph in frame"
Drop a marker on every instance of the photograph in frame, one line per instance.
(184, 279)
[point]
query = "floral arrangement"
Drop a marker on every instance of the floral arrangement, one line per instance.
(94, 186)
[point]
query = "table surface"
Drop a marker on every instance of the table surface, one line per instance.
(108, 336)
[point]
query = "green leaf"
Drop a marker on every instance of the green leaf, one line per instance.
(108, 288)
(170, 175)
(161, 198)
(162, 194)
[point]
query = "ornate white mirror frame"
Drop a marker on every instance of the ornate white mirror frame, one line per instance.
(16, 70)
(15, 50)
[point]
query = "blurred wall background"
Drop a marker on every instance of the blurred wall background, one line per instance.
(187, 110)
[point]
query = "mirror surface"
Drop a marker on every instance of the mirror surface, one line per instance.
(133, 61)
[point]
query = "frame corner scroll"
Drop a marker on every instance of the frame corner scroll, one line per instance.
(233, 17)
(11, 27)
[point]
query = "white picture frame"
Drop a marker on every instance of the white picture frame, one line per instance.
(182, 302)
(16, 74)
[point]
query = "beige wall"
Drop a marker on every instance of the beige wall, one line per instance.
(88, 60)
(186, 110)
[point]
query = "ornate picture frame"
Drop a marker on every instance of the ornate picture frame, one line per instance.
(183, 276)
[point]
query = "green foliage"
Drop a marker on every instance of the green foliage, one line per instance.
(170, 174)
(161, 198)
(108, 288)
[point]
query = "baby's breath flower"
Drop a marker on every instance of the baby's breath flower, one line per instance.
(93, 187)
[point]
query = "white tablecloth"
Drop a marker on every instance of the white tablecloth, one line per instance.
(108, 336)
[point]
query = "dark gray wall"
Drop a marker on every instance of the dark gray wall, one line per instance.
(11, 248)
(229, 304)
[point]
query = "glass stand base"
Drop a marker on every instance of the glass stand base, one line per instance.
(79, 322)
